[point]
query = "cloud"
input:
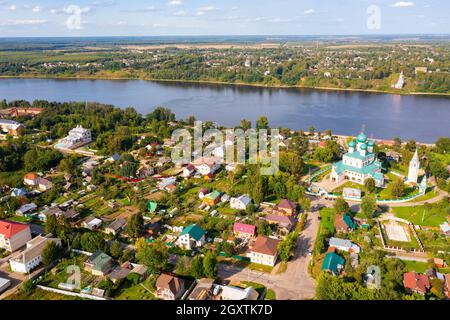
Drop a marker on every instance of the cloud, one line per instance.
(403, 4)
(175, 3)
(22, 22)
(36, 9)
(12, 7)
(104, 3)
(202, 10)
(180, 13)
(309, 11)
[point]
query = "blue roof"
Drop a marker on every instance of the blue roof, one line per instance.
(361, 137)
(332, 261)
(371, 169)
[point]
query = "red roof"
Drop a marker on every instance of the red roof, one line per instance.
(266, 245)
(9, 228)
(244, 228)
(286, 204)
(416, 282)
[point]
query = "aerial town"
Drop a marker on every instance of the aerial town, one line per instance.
(93, 207)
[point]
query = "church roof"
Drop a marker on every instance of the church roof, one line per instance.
(371, 169)
(361, 137)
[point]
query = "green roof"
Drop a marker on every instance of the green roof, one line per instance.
(332, 261)
(100, 260)
(213, 195)
(349, 221)
(370, 169)
(194, 231)
(361, 137)
(151, 206)
(357, 155)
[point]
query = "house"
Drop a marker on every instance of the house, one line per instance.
(445, 228)
(13, 235)
(414, 282)
(333, 263)
(344, 245)
(18, 192)
(191, 237)
(344, 223)
(77, 137)
(69, 215)
(264, 251)
(285, 208)
(99, 263)
(115, 157)
(92, 223)
(4, 284)
(11, 127)
(26, 209)
(244, 231)
(202, 193)
(440, 263)
(188, 171)
(211, 199)
(225, 198)
(152, 206)
(206, 165)
(31, 179)
(28, 259)
(236, 293)
(118, 274)
(393, 156)
(203, 290)
(170, 188)
(163, 183)
(169, 287)
(116, 226)
(283, 222)
(240, 203)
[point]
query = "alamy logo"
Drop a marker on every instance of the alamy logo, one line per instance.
(74, 20)
(374, 19)
(228, 146)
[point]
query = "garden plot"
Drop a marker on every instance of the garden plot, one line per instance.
(397, 232)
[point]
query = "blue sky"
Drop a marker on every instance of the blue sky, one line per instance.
(221, 17)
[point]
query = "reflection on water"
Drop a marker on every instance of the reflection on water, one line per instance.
(423, 118)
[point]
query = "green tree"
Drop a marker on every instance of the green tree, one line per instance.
(210, 265)
(341, 206)
(154, 256)
(398, 188)
(92, 241)
(368, 206)
(287, 246)
(291, 162)
(262, 123)
(50, 253)
(245, 124)
(51, 225)
(197, 270)
(116, 250)
(369, 185)
(135, 225)
(443, 145)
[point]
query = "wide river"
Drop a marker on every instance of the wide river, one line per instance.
(423, 118)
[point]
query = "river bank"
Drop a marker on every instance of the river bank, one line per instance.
(237, 84)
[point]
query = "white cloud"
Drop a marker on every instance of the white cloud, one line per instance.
(22, 22)
(403, 4)
(309, 11)
(175, 3)
(202, 10)
(36, 9)
(180, 13)
(12, 7)
(278, 20)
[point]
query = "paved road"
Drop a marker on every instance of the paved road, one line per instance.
(295, 283)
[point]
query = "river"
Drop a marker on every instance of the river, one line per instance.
(423, 118)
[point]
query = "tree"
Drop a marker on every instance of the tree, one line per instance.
(368, 206)
(411, 146)
(116, 250)
(291, 162)
(443, 145)
(135, 225)
(154, 256)
(210, 265)
(68, 165)
(50, 253)
(245, 124)
(341, 206)
(287, 246)
(197, 267)
(91, 242)
(262, 123)
(183, 266)
(398, 188)
(369, 185)
(51, 225)
(305, 203)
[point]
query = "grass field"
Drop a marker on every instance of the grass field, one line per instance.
(128, 291)
(420, 216)
(417, 266)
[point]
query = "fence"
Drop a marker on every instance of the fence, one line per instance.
(73, 294)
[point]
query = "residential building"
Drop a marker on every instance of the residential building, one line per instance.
(26, 209)
(244, 231)
(13, 235)
(33, 180)
(358, 164)
(92, 223)
(285, 208)
(31, 257)
(169, 287)
(333, 263)
(99, 264)
(11, 127)
(283, 222)
(116, 226)
(264, 251)
(77, 137)
(414, 282)
(206, 165)
(191, 237)
(344, 245)
(344, 223)
(240, 203)
(203, 290)
(4, 284)
(211, 199)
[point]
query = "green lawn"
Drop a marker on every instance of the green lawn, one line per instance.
(419, 267)
(257, 286)
(419, 216)
(327, 220)
(260, 267)
(128, 291)
(386, 193)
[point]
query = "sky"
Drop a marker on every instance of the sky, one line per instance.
(42, 18)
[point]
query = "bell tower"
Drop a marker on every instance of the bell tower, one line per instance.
(414, 166)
